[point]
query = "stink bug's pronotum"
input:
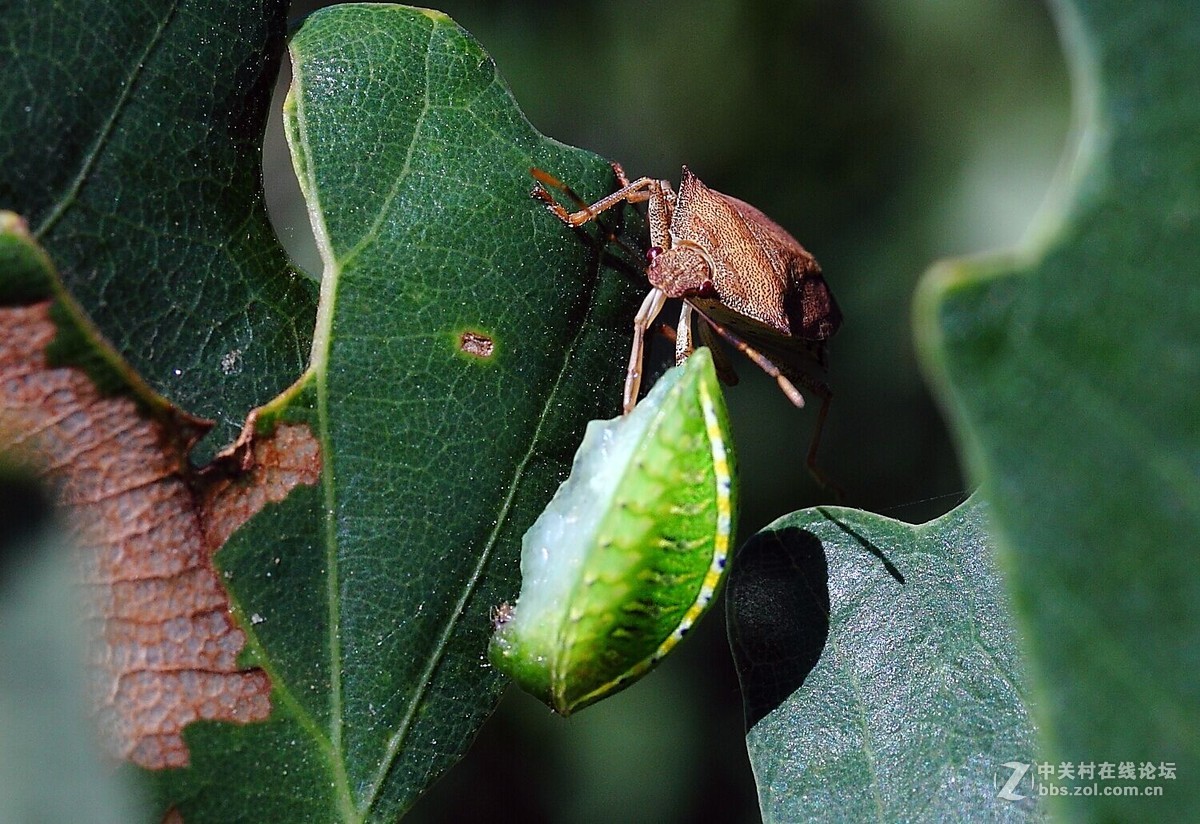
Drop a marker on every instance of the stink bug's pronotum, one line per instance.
(631, 550)
(750, 280)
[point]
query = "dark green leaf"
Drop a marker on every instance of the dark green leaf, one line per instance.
(1072, 375)
(368, 600)
(879, 668)
(130, 139)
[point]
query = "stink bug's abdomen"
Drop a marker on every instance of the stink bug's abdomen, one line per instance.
(631, 550)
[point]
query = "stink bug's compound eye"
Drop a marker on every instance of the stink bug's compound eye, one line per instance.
(652, 253)
(630, 552)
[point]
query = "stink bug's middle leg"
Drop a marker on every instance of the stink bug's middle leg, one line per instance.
(619, 171)
(760, 360)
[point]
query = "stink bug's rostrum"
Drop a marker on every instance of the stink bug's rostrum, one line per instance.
(748, 279)
(631, 550)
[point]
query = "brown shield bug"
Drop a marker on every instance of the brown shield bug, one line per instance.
(750, 280)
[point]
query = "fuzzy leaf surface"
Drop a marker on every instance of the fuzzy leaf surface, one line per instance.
(1072, 374)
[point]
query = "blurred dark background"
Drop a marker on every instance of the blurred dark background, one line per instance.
(884, 134)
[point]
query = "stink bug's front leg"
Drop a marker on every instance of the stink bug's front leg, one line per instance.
(545, 179)
(651, 306)
(608, 235)
(658, 192)
(633, 193)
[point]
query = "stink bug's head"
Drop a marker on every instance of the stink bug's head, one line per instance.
(681, 271)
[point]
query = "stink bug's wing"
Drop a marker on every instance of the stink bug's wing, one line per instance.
(811, 310)
(748, 277)
(629, 553)
(786, 251)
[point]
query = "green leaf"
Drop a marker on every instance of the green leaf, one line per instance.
(1072, 374)
(879, 667)
(130, 139)
(368, 600)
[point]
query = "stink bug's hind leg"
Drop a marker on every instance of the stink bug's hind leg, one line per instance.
(651, 306)
(793, 394)
(822, 391)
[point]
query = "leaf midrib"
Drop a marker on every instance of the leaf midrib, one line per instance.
(332, 744)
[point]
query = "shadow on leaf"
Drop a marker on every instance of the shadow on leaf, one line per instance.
(778, 614)
(868, 545)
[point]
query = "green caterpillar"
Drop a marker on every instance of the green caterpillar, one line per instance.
(630, 551)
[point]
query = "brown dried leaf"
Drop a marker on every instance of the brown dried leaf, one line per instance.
(166, 645)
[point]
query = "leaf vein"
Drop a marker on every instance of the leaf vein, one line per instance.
(396, 742)
(102, 137)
